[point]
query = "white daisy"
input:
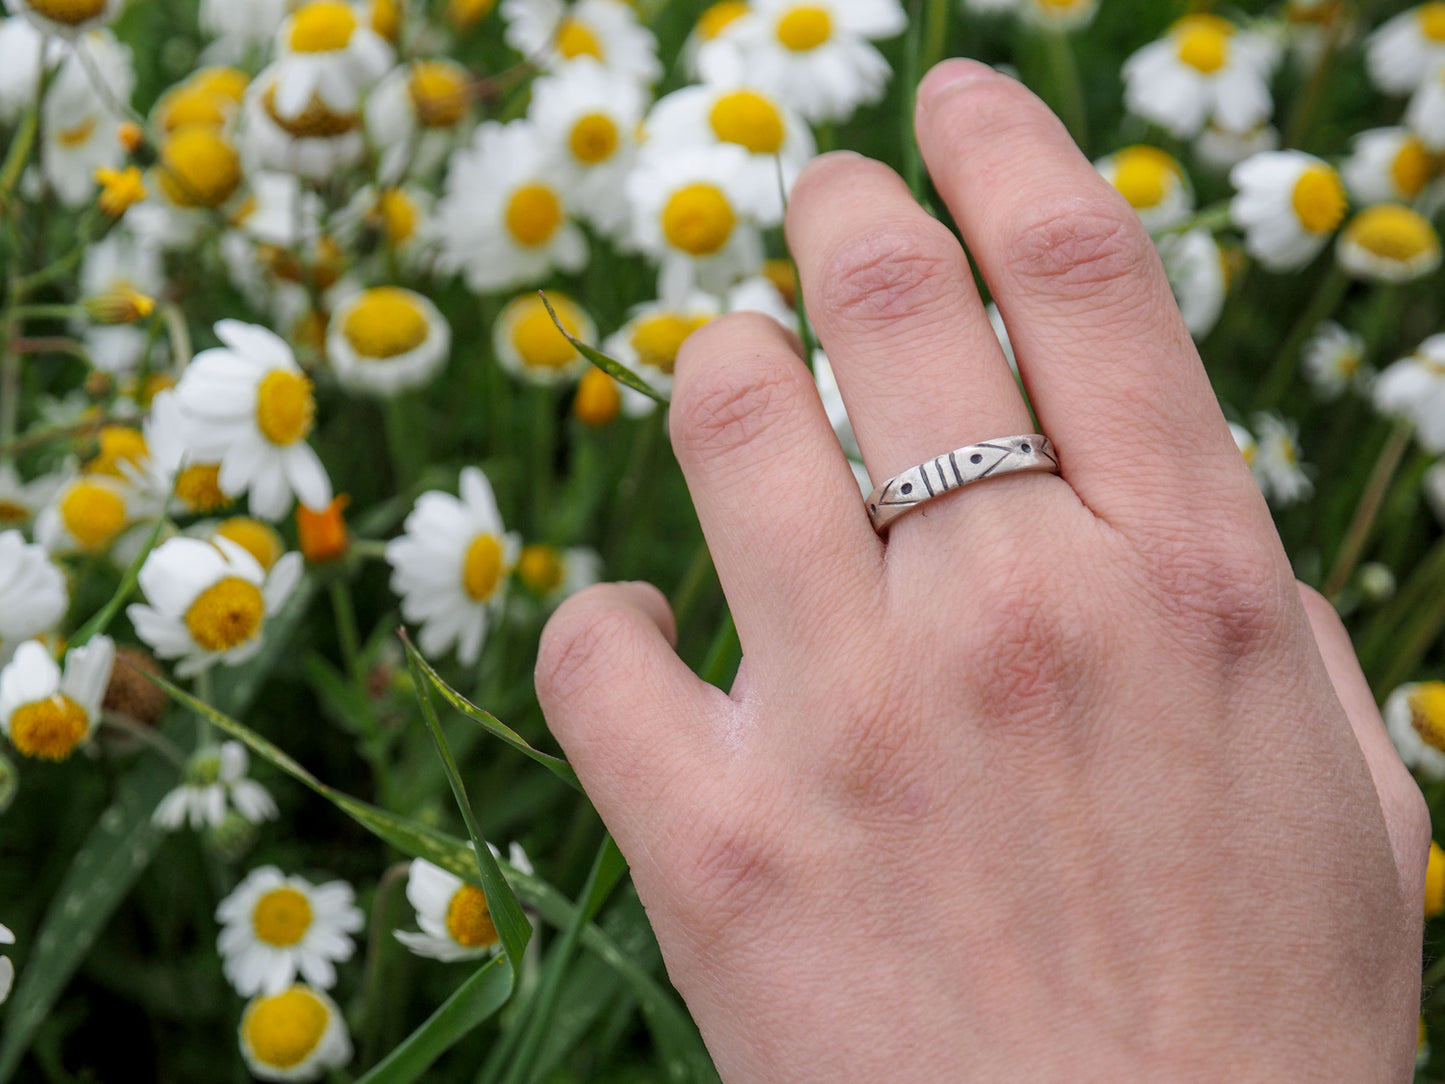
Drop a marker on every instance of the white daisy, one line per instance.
(1333, 360)
(33, 592)
(1408, 49)
(20, 501)
(1222, 149)
(250, 24)
(211, 96)
(450, 566)
(1194, 265)
(649, 341)
(22, 48)
(1244, 441)
(1387, 165)
(1276, 464)
(553, 574)
(79, 124)
(313, 143)
(552, 34)
(325, 52)
(1204, 68)
(256, 537)
(1425, 115)
(1414, 388)
(208, 602)
(775, 137)
(529, 346)
(7, 965)
(66, 18)
(397, 217)
(250, 408)
(168, 465)
(121, 261)
(87, 514)
(414, 114)
(503, 220)
(275, 927)
(1153, 182)
(387, 340)
(45, 713)
(833, 405)
(717, 19)
(761, 293)
(214, 781)
(1288, 203)
(1415, 720)
(813, 55)
(453, 915)
(1388, 242)
(297, 1034)
(1059, 14)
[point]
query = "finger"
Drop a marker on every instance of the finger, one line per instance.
(1406, 817)
(1109, 366)
(637, 725)
(890, 293)
(776, 499)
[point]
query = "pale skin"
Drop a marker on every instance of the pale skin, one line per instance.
(1067, 778)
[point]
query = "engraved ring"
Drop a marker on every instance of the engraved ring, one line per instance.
(905, 492)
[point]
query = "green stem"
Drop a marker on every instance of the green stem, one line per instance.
(45, 312)
(1327, 298)
(723, 652)
(1368, 509)
(1213, 218)
(1307, 104)
(205, 692)
(544, 432)
(1069, 87)
(699, 572)
(146, 735)
(19, 153)
(378, 943)
(1378, 642)
(346, 633)
(401, 441)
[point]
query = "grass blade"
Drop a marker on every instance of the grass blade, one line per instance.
(611, 366)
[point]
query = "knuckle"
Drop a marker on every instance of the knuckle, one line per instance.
(720, 336)
(1235, 603)
(892, 270)
(579, 644)
(1082, 245)
(727, 868)
(874, 768)
(723, 408)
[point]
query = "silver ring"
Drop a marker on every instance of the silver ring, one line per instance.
(973, 463)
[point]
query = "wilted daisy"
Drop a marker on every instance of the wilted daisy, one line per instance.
(414, 114)
(312, 143)
(649, 341)
(275, 927)
(1204, 68)
(33, 592)
(450, 566)
(79, 124)
(66, 18)
(1425, 115)
(387, 340)
(1288, 203)
(455, 922)
(326, 53)
(1195, 268)
(87, 514)
(1276, 464)
(215, 781)
(1408, 49)
(1415, 720)
(1389, 242)
(295, 1034)
(552, 34)
(503, 220)
(250, 408)
(1414, 388)
(528, 344)
(1153, 182)
(1333, 359)
(814, 56)
(208, 601)
(46, 713)
(1387, 165)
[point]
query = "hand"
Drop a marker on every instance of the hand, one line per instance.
(1066, 780)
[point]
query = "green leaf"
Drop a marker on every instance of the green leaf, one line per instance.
(490, 723)
(472, 1003)
(611, 366)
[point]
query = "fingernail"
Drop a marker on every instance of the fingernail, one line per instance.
(949, 75)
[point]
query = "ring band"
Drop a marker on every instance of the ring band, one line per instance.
(973, 463)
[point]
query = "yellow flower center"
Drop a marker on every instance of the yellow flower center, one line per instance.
(386, 322)
(199, 487)
(118, 444)
(1410, 168)
(698, 218)
(49, 729)
(804, 27)
(482, 567)
(226, 614)
(1319, 199)
(281, 917)
(69, 12)
(657, 339)
(464, 13)
(120, 189)
(1427, 713)
(540, 566)
(258, 539)
(316, 121)
(574, 40)
(283, 1030)
(1393, 232)
(1435, 881)
(285, 407)
(322, 26)
(718, 17)
(593, 138)
(398, 214)
(1202, 42)
(534, 214)
(782, 274)
(1144, 176)
(469, 922)
(199, 167)
(438, 91)
(1431, 17)
(1060, 7)
(748, 119)
(192, 103)
(77, 136)
(93, 514)
(598, 399)
(221, 82)
(386, 19)
(536, 339)
(12, 514)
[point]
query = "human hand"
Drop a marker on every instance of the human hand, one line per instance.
(1064, 780)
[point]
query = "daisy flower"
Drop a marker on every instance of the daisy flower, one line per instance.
(1194, 265)
(1408, 49)
(1414, 388)
(1244, 441)
(1425, 115)
(1276, 463)
(1288, 203)
(120, 262)
(1415, 720)
(207, 602)
(598, 400)
(256, 537)
(773, 135)
(1333, 359)
(814, 55)
(453, 915)
(214, 781)
(211, 96)
(649, 341)
(295, 1034)
(387, 340)
(7, 965)
(1203, 68)
(87, 514)
(552, 574)
(414, 114)
(1387, 165)
(275, 927)
(250, 24)
(80, 128)
(715, 21)
(21, 500)
(1153, 182)
(1222, 149)
(529, 346)
(503, 219)
(1060, 14)
(167, 465)
(1388, 242)
(450, 566)
(45, 713)
(250, 408)
(313, 143)
(552, 34)
(66, 18)
(22, 49)
(33, 591)
(326, 53)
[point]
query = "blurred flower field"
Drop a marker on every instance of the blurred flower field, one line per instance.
(325, 319)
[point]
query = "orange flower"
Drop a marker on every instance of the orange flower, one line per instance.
(323, 534)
